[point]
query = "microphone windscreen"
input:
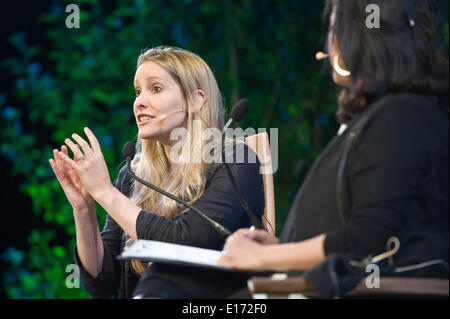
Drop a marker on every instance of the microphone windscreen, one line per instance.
(129, 150)
(320, 55)
(239, 110)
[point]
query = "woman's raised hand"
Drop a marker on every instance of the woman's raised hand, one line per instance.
(88, 163)
(70, 182)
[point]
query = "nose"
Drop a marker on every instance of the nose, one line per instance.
(140, 103)
(140, 106)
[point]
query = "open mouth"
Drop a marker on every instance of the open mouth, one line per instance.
(144, 119)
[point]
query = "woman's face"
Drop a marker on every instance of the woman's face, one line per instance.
(158, 94)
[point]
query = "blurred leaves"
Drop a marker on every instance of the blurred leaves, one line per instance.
(260, 50)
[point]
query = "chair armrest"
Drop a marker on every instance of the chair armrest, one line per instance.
(389, 286)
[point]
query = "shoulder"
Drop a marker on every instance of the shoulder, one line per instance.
(241, 158)
(123, 182)
(400, 128)
(407, 107)
(240, 153)
(122, 173)
(403, 114)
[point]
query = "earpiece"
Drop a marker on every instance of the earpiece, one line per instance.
(164, 116)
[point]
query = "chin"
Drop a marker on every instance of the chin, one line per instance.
(146, 134)
(150, 135)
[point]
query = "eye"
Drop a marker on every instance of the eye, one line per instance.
(156, 89)
(137, 92)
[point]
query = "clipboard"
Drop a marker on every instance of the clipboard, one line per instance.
(180, 255)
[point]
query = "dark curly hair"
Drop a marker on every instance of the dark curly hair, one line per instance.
(396, 57)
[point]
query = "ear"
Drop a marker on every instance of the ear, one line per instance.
(199, 98)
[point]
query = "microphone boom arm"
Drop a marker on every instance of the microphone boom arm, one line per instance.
(253, 219)
(219, 228)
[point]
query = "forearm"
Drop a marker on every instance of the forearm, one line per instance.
(89, 242)
(120, 208)
(298, 256)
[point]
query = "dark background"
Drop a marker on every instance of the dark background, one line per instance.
(55, 81)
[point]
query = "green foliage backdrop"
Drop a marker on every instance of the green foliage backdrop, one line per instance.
(261, 50)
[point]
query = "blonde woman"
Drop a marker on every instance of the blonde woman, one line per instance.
(174, 89)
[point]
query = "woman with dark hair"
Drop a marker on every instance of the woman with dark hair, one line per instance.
(384, 179)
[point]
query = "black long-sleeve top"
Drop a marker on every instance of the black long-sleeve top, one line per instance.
(219, 202)
(397, 174)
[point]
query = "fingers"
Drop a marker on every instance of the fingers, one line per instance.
(63, 166)
(55, 170)
(258, 235)
(77, 154)
(65, 151)
(235, 247)
(225, 261)
(235, 237)
(58, 167)
(84, 145)
(87, 149)
(63, 171)
(58, 162)
(246, 231)
(69, 161)
(92, 139)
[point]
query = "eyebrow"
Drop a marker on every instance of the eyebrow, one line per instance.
(149, 78)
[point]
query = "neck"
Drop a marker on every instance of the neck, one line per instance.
(168, 148)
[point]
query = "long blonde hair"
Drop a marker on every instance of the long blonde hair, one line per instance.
(185, 180)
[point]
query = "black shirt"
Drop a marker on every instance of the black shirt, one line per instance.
(218, 202)
(397, 174)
